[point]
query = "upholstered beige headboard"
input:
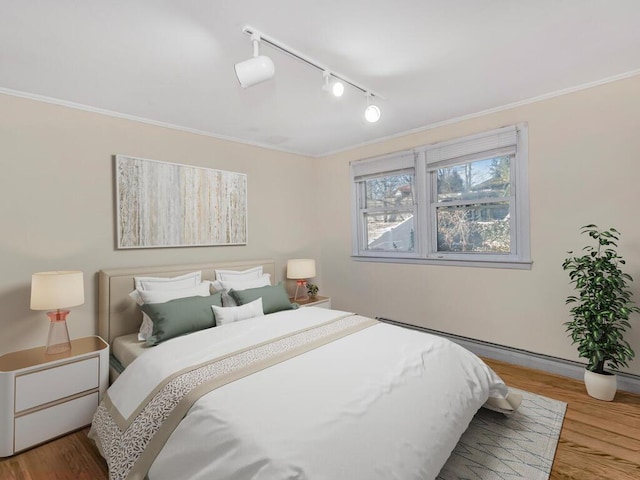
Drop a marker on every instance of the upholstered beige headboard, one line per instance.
(119, 315)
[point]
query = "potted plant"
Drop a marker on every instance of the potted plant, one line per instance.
(601, 310)
(312, 290)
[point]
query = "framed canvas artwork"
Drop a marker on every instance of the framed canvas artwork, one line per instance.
(162, 204)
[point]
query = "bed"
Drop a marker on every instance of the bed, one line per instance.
(307, 393)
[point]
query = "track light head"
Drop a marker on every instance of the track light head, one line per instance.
(372, 112)
(335, 87)
(256, 70)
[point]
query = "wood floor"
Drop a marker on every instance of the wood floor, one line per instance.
(599, 440)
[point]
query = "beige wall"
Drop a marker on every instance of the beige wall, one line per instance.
(584, 167)
(57, 204)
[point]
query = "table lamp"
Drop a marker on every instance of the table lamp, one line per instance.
(56, 291)
(301, 269)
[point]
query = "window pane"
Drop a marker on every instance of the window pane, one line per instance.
(391, 191)
(475, 180)
(484, 228)
(390, 232)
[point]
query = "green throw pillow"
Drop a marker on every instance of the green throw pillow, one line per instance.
(180, 316)
(274, 297)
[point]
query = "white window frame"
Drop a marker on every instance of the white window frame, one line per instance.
(426, 160)
(395, 164)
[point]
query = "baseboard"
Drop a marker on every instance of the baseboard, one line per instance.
(626, 381)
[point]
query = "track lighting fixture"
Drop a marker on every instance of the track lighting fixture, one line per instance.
(257, 69)
(372, 112)
(335, 87)
(260, 68)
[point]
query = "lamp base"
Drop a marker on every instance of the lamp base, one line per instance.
(300, 283)
(58, 339)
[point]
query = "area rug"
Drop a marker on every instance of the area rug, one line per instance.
(497, 447)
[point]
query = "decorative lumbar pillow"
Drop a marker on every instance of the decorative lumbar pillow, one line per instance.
(180, 316)
(239, 275)
(274, 298)
(226, 315)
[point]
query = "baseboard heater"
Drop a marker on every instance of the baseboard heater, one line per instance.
(626, 381)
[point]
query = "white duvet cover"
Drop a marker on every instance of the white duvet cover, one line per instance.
(383, 403)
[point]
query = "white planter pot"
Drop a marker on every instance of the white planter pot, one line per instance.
(602, 387)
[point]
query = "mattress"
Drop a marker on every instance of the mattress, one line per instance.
(127, 348)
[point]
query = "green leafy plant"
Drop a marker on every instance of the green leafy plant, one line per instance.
(603, 302)
(312, 289)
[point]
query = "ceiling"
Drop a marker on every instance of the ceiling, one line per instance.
(171, 62)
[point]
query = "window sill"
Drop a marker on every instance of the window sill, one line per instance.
(507, 264)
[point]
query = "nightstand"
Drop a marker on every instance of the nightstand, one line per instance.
(322, 302)
(45, 396)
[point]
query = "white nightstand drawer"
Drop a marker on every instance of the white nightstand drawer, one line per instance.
(51, 422)
(54, 383)
(323, 304)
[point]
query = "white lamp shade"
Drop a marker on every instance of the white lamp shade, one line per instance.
(300, 268)
(255, 70)
(54, 290)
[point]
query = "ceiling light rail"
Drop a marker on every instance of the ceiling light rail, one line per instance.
(303, 58)
(260, 68)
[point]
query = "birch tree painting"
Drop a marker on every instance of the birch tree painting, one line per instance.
(163, 204)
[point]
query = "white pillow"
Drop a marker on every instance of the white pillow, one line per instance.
(239, 275)
(146, 328)
(223, 286)
(228, 300)
(162, 296)
(187, 280)
(226, 315)
(262, 281)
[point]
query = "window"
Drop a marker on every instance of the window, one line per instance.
(472, 206)
(386, 205)
(388, 213)
(459, 202)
